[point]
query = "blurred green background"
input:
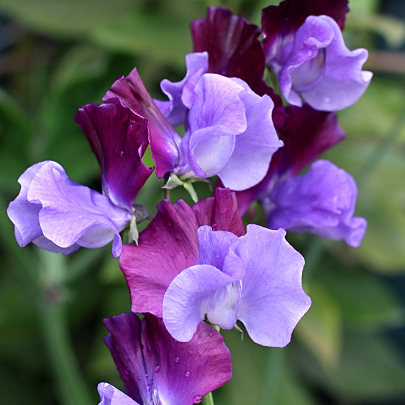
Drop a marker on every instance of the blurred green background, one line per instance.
(56, 56)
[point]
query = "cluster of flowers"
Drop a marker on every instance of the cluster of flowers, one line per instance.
(192, 265)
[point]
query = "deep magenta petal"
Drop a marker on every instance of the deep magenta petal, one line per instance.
(279, 23)
(166, 247)
(220, 212)
(234, 51)
(118, 138)
(170, 372)
(163, 139)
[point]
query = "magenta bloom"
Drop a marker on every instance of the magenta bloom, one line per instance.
(183, 271)
(156, 369)
(59, 215)
(312, 59)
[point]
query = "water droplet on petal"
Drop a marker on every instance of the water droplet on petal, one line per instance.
(187, 374)
(148, 388)
(139, 378)
(197, 399)
(127, 371)
(190, 352)
(210, 334)
(157, 368)
(177, 359)
(122, 153)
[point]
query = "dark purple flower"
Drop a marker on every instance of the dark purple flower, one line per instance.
(313, 60)
(234, 51)
(57, 214)
(156, 369)
(170, 244)
(322, 201)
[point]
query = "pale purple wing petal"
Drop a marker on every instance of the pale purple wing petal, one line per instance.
(74, 214)
(109, 395)
(166, 247)
(118, 138)
(322, 201)
(273, 300)
(254, 148)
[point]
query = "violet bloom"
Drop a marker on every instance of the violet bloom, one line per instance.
(59, 215)
(230, 132)
(156, 369)
(321, 201)
(183, 270)
(314, 61)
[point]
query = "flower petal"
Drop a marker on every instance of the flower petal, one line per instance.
(172, 372)
(163, 139)
(234, 51)
(118, 138)
(220, 212)
(322, 201)
(69, 214)
(166, 247)
(109, 395)
(273, 300)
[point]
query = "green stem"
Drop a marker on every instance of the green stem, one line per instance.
(208, 399)
(273, 377)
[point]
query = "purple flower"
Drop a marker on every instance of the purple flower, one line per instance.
(156, 369)
(109, 395)
(314, 61)
(57, 214)
(321, 201)
(255, 278)
(190, 270)
(230, 132)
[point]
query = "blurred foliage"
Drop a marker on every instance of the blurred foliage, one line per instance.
(56, 56)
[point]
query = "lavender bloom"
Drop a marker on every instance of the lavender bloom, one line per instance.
(322, 202)
(59, 215)
(109, 395)
(255, 278)
(156, 369)
(181, 94)
(314, 60)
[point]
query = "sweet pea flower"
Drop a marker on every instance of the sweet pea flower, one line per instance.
(321, 202)
(230, 132)
(183, 270)
(59, 215)
(313, 60)
(156, 369)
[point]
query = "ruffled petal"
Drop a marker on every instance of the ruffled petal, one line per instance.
(118, 138)
(163, 139)
(279, 23)
(109, 395)
(273, 300)
(165, 370)
(254, 148)
(220, 212)
(64, 212)
(181, 94)
(166, 247)
(234, 51)
(322, 202)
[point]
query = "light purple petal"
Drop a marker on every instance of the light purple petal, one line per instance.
(159, 369)
(67, 213)
(118, 138)
(273, 300)
(321, 67)
(109, 395)
(322, 202)
(166, 247)
(216, 116)
(163, 139)
(254, 148)
(181, 94)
